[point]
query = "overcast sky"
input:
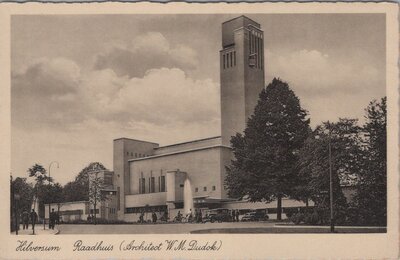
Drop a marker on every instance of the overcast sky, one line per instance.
(78, 82)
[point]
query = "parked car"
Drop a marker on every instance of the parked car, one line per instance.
(255, 216)
(217, 215)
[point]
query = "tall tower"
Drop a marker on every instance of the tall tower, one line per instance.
(242, 73)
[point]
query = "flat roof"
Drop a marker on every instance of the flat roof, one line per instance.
(179, 152)
(135, 140)
(242, 16)
(188, 142)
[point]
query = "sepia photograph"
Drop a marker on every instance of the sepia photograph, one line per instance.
(205, 124)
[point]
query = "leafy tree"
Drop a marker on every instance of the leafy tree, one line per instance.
(25, 190)
(38, 172)
(314, 178)
(78, 190)
(96, 185)
(371, 197)
(52, 193)
(264, 168)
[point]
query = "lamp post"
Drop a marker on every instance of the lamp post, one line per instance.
(16, 198)
(50, 182)
(330, 179)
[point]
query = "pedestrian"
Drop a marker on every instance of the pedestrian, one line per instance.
(237, 215)
(25, 219)
(57, 217)
(34, 217)
(233, 215)
(141, 217)
(154, 217)
(179, 216)
(52, 219)
(200, 216)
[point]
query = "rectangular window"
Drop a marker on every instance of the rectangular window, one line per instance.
(135, 155)
(118, 198)
(223, 60)
(162, 183)
(153, 185)
(205, 189)
(213, 188)
(196, 189)
(230, 59)
(142, 185)
(234, 58)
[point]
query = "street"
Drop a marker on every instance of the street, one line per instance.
(225, 227)
(172, 228)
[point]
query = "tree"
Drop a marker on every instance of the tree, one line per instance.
(371, 197)
(264, 167)
(25, 190)
(314, 178)
(78, 190)
(52, 193)
(38, 172)
(96, 185)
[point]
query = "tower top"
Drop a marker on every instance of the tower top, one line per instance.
(229, 27)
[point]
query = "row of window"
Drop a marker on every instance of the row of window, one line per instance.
(112, 210)
(204, 188)
(256, 47)
(161, 208)
(152, 185)
(137, 155)
(229, 59)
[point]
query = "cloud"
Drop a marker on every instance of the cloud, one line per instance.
(147, 51)
(161, 97)
(329, 87)
(46, 92)
(315, 73)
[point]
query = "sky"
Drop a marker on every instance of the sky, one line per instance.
(80, 81)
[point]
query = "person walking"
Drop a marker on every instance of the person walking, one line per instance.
(154, 217)
(141, 217)
(34, 217)
(52, 219)
(233, 215)
(25, 219)
(237, 215)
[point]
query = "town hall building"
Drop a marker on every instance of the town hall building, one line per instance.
(188, 176)
(149, 177)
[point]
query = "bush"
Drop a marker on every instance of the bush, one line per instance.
(297, 218)
(312, 218)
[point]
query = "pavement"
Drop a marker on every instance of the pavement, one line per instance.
(170, 228)
(38, 231)
(207, 228)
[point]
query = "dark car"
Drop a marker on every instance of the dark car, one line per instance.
(217, 216)
(255, 216)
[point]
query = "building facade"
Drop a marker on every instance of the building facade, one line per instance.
(188, 176)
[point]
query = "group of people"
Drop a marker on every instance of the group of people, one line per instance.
(198, 217)
(90, 218)
(32, 218)
(26, 217)
(154, 217)
(235, 215)
(53, 219)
